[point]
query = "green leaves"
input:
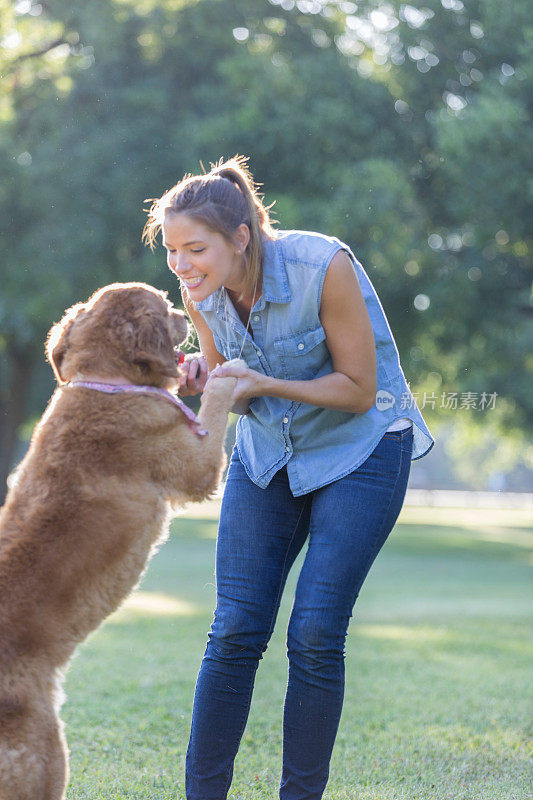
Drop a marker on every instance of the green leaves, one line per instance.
(403, 130)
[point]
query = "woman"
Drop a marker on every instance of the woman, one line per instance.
(327, 431)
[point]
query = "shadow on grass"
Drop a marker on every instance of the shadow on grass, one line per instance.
(437, 669)
(456, 541)
(488, 541)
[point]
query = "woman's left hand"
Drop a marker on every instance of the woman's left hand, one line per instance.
(248, 380)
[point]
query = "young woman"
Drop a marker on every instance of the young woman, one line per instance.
(327, 431)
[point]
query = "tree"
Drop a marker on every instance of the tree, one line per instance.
(382, 124)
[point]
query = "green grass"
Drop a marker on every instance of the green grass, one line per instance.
(438, 679)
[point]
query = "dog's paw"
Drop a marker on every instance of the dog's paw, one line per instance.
(237, 362)
(220, 387)
(224, 380)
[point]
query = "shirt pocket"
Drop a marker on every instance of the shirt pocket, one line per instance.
(302, 354)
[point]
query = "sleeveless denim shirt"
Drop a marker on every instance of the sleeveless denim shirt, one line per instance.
(318, 445)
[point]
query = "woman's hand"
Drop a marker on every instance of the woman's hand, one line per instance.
(249, 382)
(193, 374)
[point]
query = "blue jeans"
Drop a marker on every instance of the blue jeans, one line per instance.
(261, 532)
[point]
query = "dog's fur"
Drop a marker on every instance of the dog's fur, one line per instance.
(90, 504)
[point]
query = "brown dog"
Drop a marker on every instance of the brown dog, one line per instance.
(90, 504)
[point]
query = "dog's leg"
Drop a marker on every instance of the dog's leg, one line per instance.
(57, 773)
(194, 465)
(33, 753)
(204, 472)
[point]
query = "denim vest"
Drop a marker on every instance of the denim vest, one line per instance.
(318, 445)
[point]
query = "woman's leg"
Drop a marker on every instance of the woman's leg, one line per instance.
(350, 521)
(260, 534)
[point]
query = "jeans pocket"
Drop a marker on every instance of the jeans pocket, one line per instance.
(400, 435)
(407, 439)
(395, 435)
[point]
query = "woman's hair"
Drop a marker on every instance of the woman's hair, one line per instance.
(221, 199)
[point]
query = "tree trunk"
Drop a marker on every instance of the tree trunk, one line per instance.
(12, 410)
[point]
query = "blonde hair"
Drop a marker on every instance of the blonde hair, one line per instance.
(221, 199)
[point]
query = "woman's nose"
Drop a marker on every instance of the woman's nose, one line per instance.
(176, 264)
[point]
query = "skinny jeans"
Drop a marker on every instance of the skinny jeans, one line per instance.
(261, 532)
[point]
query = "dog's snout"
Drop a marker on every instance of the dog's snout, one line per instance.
(180, 316)
(180, 323)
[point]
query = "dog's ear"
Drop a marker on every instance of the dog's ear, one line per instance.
(153, 347)
(57, 340)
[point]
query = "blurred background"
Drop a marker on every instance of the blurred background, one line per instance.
(402, 129)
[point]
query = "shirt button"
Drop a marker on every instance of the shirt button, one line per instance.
(256, 318)
(285, 420)
(301, 346)
(287, 449)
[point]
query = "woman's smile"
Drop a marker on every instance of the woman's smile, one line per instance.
(192, 283)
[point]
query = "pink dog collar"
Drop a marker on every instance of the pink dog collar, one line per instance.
(192, 420)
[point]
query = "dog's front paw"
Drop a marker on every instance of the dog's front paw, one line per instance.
(220, 387)
(236, 362)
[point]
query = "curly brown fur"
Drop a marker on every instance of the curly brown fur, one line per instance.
(89, 506)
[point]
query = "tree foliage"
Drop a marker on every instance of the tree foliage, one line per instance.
(402, 129)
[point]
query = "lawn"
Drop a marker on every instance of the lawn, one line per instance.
(438, 672)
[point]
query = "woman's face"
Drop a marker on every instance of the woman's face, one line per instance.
(201, 258)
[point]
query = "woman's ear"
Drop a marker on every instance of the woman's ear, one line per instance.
(241, 237)
(57, 340)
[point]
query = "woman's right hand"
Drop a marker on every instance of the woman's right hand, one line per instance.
(193, 375)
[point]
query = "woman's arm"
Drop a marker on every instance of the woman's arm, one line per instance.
(350, 340)
(196, 365)
(195, 369)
